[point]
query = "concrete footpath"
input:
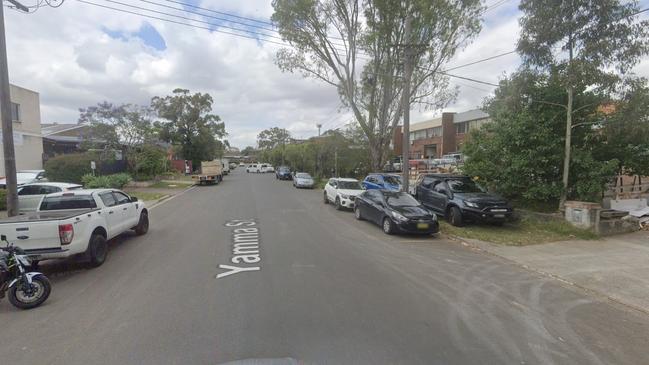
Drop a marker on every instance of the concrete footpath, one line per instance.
(615, 267)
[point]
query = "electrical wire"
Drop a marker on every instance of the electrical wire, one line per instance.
(278, 38)
(181, 23)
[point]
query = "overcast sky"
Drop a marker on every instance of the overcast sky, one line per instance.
(78, 55)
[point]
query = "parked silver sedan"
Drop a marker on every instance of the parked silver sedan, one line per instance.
(303, 180)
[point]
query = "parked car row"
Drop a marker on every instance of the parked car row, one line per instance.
(394, 211)
(260, 168)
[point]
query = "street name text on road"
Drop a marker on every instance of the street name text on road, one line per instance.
(245, 247)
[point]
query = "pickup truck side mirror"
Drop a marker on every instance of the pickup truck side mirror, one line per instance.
(443, 191)
(133, 199)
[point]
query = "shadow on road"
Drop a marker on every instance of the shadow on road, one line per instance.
(61, 269)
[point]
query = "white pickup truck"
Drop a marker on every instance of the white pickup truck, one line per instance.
(76, 222)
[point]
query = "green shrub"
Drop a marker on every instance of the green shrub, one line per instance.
(115, 181)
(3, 199)
(148, 162)
(68, 168)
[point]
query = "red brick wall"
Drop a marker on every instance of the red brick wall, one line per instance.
(418, 146)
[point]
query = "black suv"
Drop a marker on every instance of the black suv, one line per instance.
(460, 199)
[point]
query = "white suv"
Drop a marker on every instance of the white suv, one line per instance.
(253, 167)
(342, 192)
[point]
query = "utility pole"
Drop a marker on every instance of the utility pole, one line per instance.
(7, 123)
(336, 161)
(405, 103)
(317, 151)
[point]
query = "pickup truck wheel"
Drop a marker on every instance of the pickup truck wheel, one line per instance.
(338, 206)
(326, 200)
(97, 250)
(143, 225)
(455, 216)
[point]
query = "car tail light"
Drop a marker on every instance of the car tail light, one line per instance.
(66, 233)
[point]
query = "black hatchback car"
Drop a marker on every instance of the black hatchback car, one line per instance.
(460, 199)
(395, 211)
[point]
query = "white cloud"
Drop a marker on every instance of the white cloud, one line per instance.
(67, 57)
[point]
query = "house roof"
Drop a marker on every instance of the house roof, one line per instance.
(48, 129)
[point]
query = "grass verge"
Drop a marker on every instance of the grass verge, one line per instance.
(528, 231)
(146, 196)
(172, 185)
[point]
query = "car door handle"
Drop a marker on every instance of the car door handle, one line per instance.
(124, 208)
(110, 212)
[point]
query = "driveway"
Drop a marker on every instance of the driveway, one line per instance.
(615, 267)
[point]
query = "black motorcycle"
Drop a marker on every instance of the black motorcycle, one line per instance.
(26, 289)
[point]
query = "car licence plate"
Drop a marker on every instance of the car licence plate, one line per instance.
(422, 225)
(499, 216)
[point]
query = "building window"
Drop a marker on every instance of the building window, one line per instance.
(15, 112)
(461, 128)
(434, 132)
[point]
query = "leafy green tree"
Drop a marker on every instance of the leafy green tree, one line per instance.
(624, 130)
(588, 43)
(187, 120)
(519, 153)
(364, 63)
(115, 126)
(273, 137)
(248, 151)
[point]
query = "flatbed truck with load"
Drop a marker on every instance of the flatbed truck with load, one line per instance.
(211, 173)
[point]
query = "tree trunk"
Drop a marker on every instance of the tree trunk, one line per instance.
(566, 158)
(376, 156)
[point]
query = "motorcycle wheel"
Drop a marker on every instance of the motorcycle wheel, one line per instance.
(41, 291)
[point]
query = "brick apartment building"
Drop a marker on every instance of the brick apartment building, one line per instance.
(436, 137)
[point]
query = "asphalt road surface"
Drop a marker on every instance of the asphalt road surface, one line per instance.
(327, 289)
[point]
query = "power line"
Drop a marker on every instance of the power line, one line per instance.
(480, 61)
(342, 51)
(220, 12)
(468, 79)
(180, 23)
(230, 33)
(265, 28)
(191, 20)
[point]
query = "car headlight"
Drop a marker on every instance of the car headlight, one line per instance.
(471, 204)
(398, 216)
(344, 196)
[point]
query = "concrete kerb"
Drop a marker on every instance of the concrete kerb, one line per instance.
(169, 197)
(483, 247)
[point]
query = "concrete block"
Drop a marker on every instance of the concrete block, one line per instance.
(627, 205)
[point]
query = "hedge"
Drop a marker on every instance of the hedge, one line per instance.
(115, 181)
(69, 167)
(3, 199)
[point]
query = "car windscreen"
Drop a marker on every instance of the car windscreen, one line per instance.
(284, 169)
(68, 202)
(349, 185)
(392, 180)
(303, 176)
(401, 200)
(464, 186)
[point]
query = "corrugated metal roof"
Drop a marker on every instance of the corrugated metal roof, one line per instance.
(469, 115)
